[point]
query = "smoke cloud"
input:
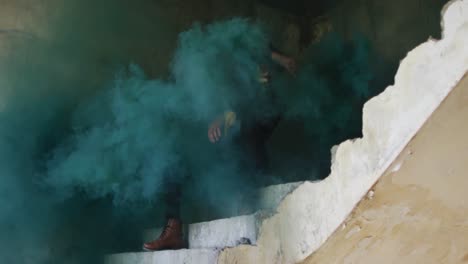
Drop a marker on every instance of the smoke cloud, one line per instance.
(327, 94)
(86, 148)
(127, 137)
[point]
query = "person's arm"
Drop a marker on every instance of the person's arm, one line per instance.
(285, 61)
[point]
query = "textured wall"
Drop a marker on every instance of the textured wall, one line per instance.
(417, 211)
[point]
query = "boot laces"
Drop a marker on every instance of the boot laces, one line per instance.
(165, 231)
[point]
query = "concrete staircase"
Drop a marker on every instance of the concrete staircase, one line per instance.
(207, 239)
(183, 256)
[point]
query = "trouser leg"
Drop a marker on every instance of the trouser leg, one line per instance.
(256, 149)
(173, 189)
(172, 199)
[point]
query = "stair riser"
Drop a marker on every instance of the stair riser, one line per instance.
(216, 234)
(223, 233)
(171, 256)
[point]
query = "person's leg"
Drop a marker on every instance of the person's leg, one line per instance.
(257, 140)
(172, 199)
(172, 235)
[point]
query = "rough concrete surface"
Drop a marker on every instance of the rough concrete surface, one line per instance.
(417, 213)
(223, 233)
(308, 216)
(271, 196)
(183, 256)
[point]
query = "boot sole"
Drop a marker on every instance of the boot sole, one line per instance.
(162, 249)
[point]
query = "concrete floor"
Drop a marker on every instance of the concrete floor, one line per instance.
(418, 210)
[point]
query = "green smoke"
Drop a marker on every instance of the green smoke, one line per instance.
(125, 140)
(327, 94)
(88, 138)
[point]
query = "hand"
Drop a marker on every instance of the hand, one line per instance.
(214, 131)
(264, 75)
(289, 64)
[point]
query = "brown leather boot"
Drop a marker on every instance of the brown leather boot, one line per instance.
(170, 238)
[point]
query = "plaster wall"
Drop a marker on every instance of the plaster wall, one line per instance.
(416, 213)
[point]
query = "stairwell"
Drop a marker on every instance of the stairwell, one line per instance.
(297, 218)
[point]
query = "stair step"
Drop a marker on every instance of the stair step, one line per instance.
(219, 233)
(183, 256)
(222, 233)
(271, 196)
(206, 238)
(229, 232)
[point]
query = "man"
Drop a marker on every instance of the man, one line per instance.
(252, 138)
